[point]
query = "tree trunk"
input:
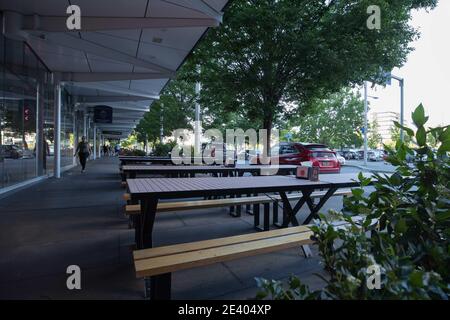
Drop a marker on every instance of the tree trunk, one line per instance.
(267, 124)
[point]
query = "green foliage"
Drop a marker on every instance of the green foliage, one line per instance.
(374, 138)
(163, 149)
(335, 121)
(405, 230)
(132, 152)
(131, 141)
(173, 110)
(273, 59)
(395, 135)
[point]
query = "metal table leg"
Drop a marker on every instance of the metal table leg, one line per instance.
(315, 208)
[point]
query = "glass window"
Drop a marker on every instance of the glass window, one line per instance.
(67, 130)
(287, 149)
(48, 126)
(18, 112)
(323, 154)
(22, 74)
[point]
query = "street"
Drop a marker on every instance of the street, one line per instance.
(358, 165)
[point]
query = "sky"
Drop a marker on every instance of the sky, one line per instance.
(427, 71)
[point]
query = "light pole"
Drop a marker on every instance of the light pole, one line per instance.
(161, 120)
(197, 127)
(366, 107)
(402, 101)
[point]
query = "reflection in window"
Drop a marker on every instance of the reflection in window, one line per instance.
(67, 132)
(21, 73)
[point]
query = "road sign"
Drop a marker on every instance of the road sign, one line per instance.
(388, 77)
(103, 114)
(288, 136)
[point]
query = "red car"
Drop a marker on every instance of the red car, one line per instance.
(320, 155)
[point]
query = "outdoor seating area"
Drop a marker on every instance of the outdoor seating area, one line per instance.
(205, 151)
(243, 190)
(70, 224)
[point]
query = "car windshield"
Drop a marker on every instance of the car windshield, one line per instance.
(316, 147)
(323, 154)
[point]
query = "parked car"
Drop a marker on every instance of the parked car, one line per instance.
(361, 154)
(11, 151)
(375, 155)
(243, 155)
(350, 155)
(341, 159)
(209, 149)
(319, 155)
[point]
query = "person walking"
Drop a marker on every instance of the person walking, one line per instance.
(105, 150)
(83, 151)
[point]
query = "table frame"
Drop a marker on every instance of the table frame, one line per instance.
(144, 223)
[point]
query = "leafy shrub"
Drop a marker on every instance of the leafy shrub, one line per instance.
(163, 149)
(132, 152)
(410, 240)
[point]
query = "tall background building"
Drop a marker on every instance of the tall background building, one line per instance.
(385, 122)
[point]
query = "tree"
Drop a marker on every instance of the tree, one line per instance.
(174, 110)
(395, 136)
(374, 139)
(336, 121)
(130, 141)
(271, 53)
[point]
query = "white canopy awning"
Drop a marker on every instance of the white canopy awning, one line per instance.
(125, 52)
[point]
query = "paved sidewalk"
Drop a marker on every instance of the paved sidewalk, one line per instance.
(78, 220)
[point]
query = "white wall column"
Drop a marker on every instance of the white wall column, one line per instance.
(57, 134)
(39, 143)
(75, 135)
(84, 123)
(100, 146)
(197, 127)
(95, 142)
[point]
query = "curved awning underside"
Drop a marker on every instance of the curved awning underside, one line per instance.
(125, 52)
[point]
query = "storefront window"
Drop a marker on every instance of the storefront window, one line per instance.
(67, 130)
(21, 77)
(48, 127)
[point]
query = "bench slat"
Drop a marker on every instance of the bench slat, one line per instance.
(175, 262)
(216, 203)
(200, 204)
(207, 244)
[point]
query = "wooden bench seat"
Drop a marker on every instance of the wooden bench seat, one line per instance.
(217, 203)
(160, 262)
(199, 204)
(255, 201)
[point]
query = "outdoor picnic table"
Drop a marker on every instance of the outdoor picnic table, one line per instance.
(149, 191)
(125, 160)
(131, 171)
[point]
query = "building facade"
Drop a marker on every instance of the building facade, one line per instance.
(385, 124)
(28, 117)
(54, 79)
